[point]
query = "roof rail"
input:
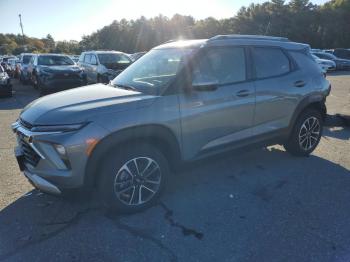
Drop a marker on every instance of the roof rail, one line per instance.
(250, 37)
(170, 41)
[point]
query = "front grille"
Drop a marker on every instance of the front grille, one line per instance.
(66, 76)
(25, 124)
(30, 156)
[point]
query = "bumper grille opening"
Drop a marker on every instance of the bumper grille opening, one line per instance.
(30, 156)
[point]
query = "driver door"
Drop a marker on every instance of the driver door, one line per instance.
(217, 116)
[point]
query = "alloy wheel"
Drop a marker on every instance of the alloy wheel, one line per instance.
(137, 181)
(309, 133)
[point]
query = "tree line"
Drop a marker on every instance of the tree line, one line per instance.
(321, 26)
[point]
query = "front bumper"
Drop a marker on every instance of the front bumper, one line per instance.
(341, 66)
(42, 184)
(61, 84)
(43, 165)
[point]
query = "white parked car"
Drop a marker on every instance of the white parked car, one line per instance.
(326, 65)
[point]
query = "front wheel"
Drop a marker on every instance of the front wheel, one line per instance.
(132, 179)
(306, 133)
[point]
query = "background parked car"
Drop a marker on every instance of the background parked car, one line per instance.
(75, 58)
(22, 67)
(342, 53)
(103, 66)
(53, 72)
(12, 67)
(341, 64)
(326, 65)
(137, 56)
(5, 85)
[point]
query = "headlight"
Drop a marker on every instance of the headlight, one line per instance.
(45, 71)
(111, 72)
(58, 128)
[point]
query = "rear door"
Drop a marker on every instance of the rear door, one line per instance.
(93, 66)
(278, 88)
(215, 118)
(87, 67)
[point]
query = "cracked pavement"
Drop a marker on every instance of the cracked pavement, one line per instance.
(257, 205)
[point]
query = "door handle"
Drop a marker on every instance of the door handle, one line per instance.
(299, 83)
(243, 93)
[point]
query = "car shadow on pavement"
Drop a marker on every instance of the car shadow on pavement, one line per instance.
(241, 204)
(22, 95)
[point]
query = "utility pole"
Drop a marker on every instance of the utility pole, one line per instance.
(21, 25)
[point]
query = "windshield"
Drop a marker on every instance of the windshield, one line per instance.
(26, 59)
(113, 58)
(54, 60)
(153, 72)
(326, 56)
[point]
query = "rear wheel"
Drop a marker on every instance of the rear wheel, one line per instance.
(306, 133)
(132, 179)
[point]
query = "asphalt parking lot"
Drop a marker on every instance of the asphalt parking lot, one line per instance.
(258, 205)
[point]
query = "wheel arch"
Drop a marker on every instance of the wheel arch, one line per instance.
(158, 135)
(310, 102)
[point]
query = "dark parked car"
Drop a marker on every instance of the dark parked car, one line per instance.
(341, 64)
(22, 67)
(53, 72)
(342, 53)
(5, 85)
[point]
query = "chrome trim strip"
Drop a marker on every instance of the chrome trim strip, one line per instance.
(18, 128)
(42, 184)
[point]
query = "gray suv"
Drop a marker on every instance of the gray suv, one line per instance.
(182, 101)
(103, 66)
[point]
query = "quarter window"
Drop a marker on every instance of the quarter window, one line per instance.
(222, 65)
(270, 62)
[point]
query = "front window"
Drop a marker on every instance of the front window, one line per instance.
(26, 59)
(153, 72)
(326, 56)
(54, 60)
(113, 58)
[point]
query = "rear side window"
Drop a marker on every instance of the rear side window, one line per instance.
(81, 58)
(223, 65)
(270, 62)
(93, 60)
(87, 58)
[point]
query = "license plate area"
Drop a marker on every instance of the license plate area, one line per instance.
(20, 158)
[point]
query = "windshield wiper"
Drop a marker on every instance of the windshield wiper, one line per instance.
(126, 87)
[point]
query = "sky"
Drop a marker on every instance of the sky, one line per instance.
(71, 19)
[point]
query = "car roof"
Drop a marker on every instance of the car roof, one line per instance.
(49, 54)
(221, 40)
(103, 52)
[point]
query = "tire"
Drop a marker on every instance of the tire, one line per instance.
(99, 79)
(119, 189)
(306, 134)
(34, 81)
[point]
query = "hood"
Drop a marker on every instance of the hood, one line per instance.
(340, 60)
(116, 66)
(326, 61)
(81, 104)
(61, 68)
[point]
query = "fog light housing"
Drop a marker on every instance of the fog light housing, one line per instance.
(61, 150)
